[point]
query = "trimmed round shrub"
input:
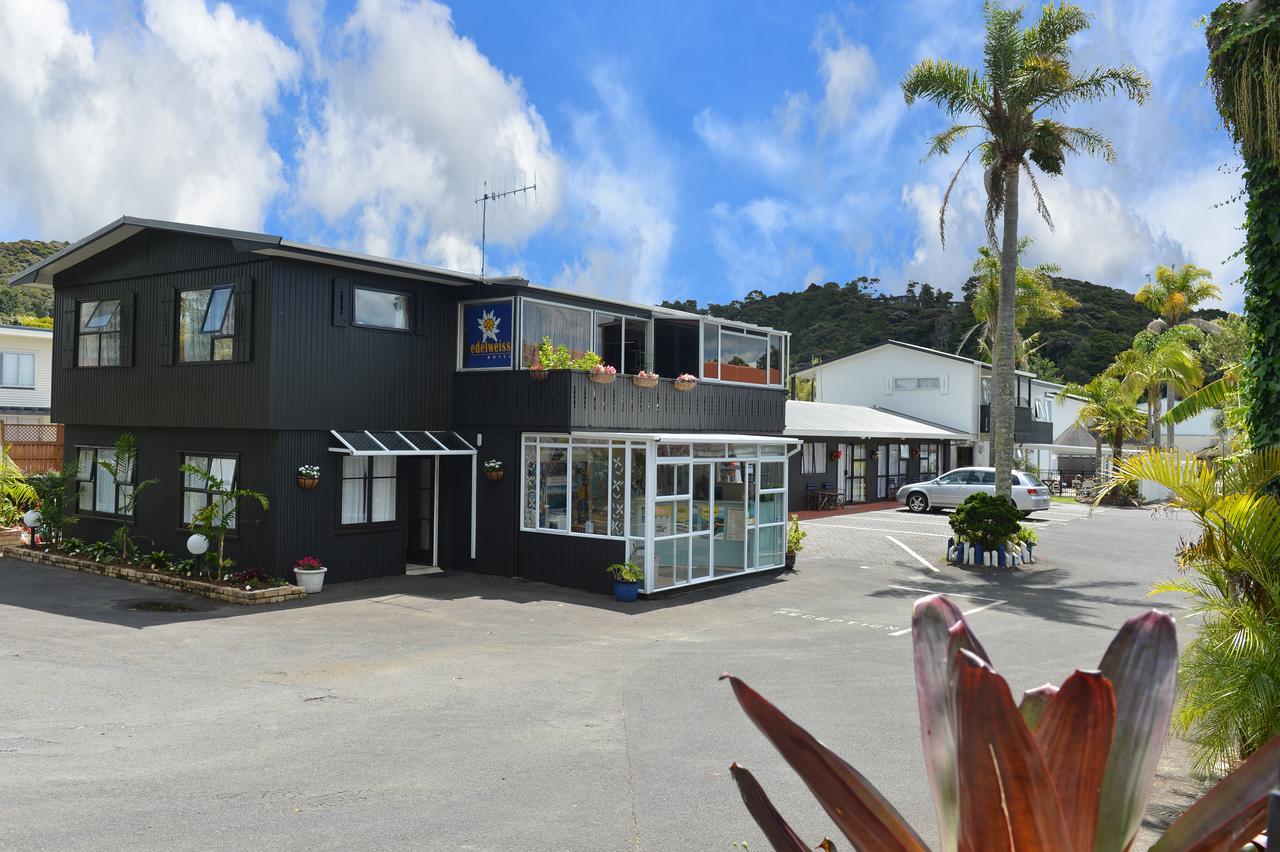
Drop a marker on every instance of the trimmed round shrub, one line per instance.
(986, 519)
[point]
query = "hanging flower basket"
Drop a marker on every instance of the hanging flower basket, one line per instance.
(836, 455)
(686, 382)
(645, 379)
(493, 469)
(602, 374)
(539, 373)
(495, 475)
(305, 482)
(308, 476)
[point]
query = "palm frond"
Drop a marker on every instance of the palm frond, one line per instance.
(1041, 206)
(1057, 24)
(946, 196)
(943, 141)
(1089, 141)
(1097, 84)
(1002, 47)
(1191, 480)
(953, 87)
(1216, 394)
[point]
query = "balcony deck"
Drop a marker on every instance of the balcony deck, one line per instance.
(570, 400)
(1026, 429)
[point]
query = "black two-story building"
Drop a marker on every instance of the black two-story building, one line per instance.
(249, 356)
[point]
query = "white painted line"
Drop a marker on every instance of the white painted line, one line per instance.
(886, 529)
(918, 557)
(865, 567)
(994, 602)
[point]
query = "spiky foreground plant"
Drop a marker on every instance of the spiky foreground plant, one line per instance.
(1069, 769)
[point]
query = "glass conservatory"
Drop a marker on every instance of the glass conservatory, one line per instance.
(689, 508)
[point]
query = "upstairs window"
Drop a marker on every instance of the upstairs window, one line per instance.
(380, 308)
(98, 334)
(206, 325)
(917, 383)
(17, 369)
(565, 325)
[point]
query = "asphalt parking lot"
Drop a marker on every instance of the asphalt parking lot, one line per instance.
(456, 711)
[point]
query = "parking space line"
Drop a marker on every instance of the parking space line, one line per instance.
(971, 611)
(917, 556)
(886, 530)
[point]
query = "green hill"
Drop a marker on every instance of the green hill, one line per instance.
(830, 320)
(24, 301)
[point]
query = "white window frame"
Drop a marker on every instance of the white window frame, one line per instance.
(595, 342)
(90, 477)
(743, 331)
(19, 354)
(370, 288)
(813, 459)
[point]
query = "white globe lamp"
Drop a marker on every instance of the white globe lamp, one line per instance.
(32, 518)
(197, 544)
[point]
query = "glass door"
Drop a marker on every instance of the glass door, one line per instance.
(420, 544)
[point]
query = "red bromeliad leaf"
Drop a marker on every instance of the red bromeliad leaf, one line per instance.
(1074, 736)
(1007, 800)
(1141, 663)
(1232, 812)
(775, 828)
(1034, 702)
(856, 807)
(937, 629)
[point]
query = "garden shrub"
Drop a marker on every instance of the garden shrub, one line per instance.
(986, 519)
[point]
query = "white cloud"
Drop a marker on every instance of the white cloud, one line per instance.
(414, 120)
(621, 200)
(166, 118)
(848, 71)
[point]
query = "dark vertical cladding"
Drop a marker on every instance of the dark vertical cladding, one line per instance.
(158, 512)
(567, 560)
(329, 373)
(570, 400)
(145, 271)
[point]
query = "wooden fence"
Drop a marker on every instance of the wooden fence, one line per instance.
(35, 447)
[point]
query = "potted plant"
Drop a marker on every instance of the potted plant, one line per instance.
(645, 379)
(686, 382)
(626, 580)
(602, 374)
(836, 455)
(538, 372)
(493, 469)
(1028, 538)
(310, 574)
(795, 541)
(308, 476)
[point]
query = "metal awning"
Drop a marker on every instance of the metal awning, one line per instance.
(686, 437)
(389, 442)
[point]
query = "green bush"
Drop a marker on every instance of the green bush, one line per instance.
(986, 519)
(560, 358)
(795, 535)
(626, 572)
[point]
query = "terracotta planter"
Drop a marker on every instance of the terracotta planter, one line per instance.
(686, 386)
(304, 482)
(539, 375)
(495, 475)
(602, 378)
(644, 382)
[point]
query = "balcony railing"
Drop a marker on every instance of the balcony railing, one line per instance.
(570, 400)
(1026, 429)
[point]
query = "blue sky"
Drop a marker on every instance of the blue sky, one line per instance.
(681, 149)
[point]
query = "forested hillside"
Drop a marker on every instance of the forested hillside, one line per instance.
(24, 301)
(830, 320)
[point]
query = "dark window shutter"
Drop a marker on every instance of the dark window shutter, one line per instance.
(126, 330)
(168, 317)
(243, 346)
(341, 302)
(68, 323)
(421, 312)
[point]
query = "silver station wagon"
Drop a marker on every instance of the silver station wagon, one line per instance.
(949, 490)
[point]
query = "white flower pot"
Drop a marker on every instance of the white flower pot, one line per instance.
(310, 579)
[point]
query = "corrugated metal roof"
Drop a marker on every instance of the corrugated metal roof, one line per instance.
(858, 421)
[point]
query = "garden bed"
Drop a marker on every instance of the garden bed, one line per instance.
(217, 591)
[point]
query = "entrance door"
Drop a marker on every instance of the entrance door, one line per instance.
(420, 546)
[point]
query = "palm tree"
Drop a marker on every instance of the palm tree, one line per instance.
(1119, 421)
(1155, 362)
(1025, 73)
(1037, 299)
(1173, 295)
(1100, 395)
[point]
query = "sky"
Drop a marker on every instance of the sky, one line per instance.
(680, 149)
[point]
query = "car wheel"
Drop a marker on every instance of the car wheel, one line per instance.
(917, 502)
(1026, 514)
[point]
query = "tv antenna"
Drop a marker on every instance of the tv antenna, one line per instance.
(488, 196)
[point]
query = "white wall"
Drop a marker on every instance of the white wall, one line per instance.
(40, 343)
(867, 379)
(1195, 434)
